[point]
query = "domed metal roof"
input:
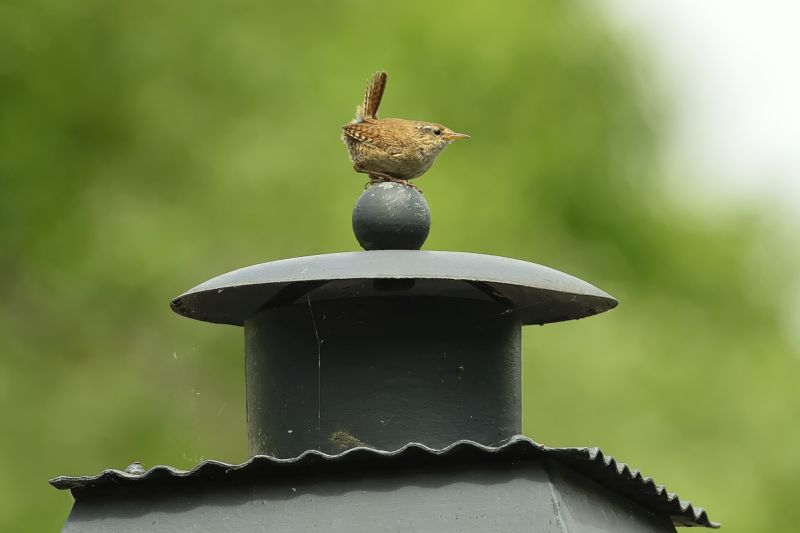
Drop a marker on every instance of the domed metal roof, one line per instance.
(537, 293)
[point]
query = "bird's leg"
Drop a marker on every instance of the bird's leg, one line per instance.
(379, 177)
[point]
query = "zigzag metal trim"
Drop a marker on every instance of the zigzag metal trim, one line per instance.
(590, 462)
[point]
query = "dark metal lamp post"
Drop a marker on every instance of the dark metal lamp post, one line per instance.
(383, 394)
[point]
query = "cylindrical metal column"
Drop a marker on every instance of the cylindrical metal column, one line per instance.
(381, 372)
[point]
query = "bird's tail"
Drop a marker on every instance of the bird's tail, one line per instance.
(372, 97)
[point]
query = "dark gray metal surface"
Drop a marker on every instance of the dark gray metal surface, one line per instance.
(513, 455)
(540, 495)
(382, 372)
(537, 293)
(391, 216)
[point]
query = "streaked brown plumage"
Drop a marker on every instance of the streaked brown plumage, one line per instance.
(392, 149)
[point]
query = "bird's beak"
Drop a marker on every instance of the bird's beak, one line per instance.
(452, 136)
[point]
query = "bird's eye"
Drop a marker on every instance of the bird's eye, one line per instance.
(437, 131)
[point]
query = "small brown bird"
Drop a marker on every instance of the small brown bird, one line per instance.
(392, 149)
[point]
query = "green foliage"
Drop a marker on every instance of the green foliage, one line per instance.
(147, 146)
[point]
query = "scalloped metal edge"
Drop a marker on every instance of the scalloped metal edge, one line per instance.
(588, 461)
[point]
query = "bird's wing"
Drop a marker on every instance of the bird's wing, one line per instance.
(362, 132)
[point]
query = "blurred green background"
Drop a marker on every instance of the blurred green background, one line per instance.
(147, 146)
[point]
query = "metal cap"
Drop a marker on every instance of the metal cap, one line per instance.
(538, 294)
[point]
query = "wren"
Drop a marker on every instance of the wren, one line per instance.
(392, 149)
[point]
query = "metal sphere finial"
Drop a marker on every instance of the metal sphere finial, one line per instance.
(391, 216)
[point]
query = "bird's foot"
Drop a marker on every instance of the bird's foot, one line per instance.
(384, 178)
